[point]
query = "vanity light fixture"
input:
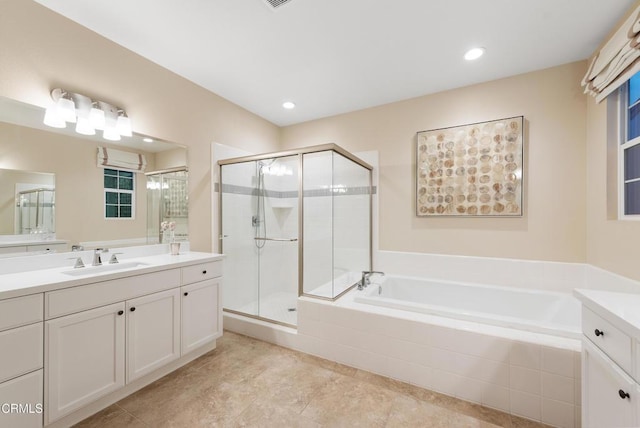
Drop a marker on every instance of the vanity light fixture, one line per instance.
(88, 115)
(473, 54)
(288, 105)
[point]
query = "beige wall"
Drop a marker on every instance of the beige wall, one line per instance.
(553, 226)
(42, 50)
(611, 244)
(79, 183)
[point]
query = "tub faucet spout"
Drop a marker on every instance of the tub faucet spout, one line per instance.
(366, 274)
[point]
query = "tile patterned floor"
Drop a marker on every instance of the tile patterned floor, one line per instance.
(250, 383)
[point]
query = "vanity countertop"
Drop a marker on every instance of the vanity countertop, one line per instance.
(621, 309)
(38, 281)
(23, 242)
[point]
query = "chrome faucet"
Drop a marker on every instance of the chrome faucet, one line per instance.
(366, 275)
(97, 259)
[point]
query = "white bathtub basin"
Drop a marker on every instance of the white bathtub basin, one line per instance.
(108, 268)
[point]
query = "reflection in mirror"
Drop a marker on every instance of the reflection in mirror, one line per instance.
(75, 213)
(27, 203)
(167, 202)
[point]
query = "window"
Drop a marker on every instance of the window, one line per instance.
(629, 151)
(118, 194)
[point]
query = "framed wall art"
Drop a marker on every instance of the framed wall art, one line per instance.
(471, 170)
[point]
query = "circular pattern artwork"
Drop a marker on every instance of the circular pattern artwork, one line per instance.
(471, 170)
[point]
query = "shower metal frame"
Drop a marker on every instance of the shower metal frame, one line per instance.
(300, 153)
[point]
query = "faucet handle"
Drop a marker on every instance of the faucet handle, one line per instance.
(78, 264)
(114, 258)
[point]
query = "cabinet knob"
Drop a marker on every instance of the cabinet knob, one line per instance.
(120, 312)
(623, 394)
(133, 309)
(599, 332)
(204, 272)
(186, 293)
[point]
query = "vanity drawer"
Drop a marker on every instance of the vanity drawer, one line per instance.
(20, 311)
(21, 351)
(25, 390)
(201, 272)
(608, 338)
(81, 298)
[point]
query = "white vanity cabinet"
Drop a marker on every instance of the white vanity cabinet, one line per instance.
(153, 332)
(201, 313)
(605, 402)
(75, 341)
(111, 336)
(21, 349)
(610, 352)
(85, 358)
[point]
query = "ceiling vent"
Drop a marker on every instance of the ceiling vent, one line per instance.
(277, 3)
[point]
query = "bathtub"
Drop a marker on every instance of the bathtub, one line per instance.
(545, 312)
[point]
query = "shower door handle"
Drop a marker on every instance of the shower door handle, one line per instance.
(277, 239)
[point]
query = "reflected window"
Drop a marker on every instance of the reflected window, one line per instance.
(119, 195)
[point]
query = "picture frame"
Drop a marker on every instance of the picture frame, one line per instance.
(473, 170)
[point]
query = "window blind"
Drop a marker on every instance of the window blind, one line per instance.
(616, 61)
(112, 158)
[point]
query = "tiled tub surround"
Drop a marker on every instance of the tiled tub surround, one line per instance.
(533, 375)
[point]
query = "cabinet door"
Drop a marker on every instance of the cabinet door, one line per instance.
(84, 358)
(605, 386)
(153, 332)
(25, 392)
(201, 314)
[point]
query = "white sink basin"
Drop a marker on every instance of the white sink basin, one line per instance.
(97, 270)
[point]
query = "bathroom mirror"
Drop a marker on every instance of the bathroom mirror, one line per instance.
(78, 205)
(27, 202)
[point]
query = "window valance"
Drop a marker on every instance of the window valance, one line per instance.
(616, 61)
(112, 158)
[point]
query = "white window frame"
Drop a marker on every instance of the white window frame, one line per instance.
(110, 190)
(622, 146)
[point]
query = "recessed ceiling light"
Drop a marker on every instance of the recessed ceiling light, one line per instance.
(147, 140)
(474, 53)
(288, 105)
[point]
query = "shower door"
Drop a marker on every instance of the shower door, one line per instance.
(260, 237)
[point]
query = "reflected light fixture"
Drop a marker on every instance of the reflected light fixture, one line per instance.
(288, 105)
(474, 53)
(88, 115)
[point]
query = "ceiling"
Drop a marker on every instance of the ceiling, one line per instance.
(335, 56)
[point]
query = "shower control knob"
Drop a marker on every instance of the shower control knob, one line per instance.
(623, 394)
(599, 332)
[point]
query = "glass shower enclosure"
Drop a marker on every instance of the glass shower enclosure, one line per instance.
(36, 211)
(293, 223)
(167, 201)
